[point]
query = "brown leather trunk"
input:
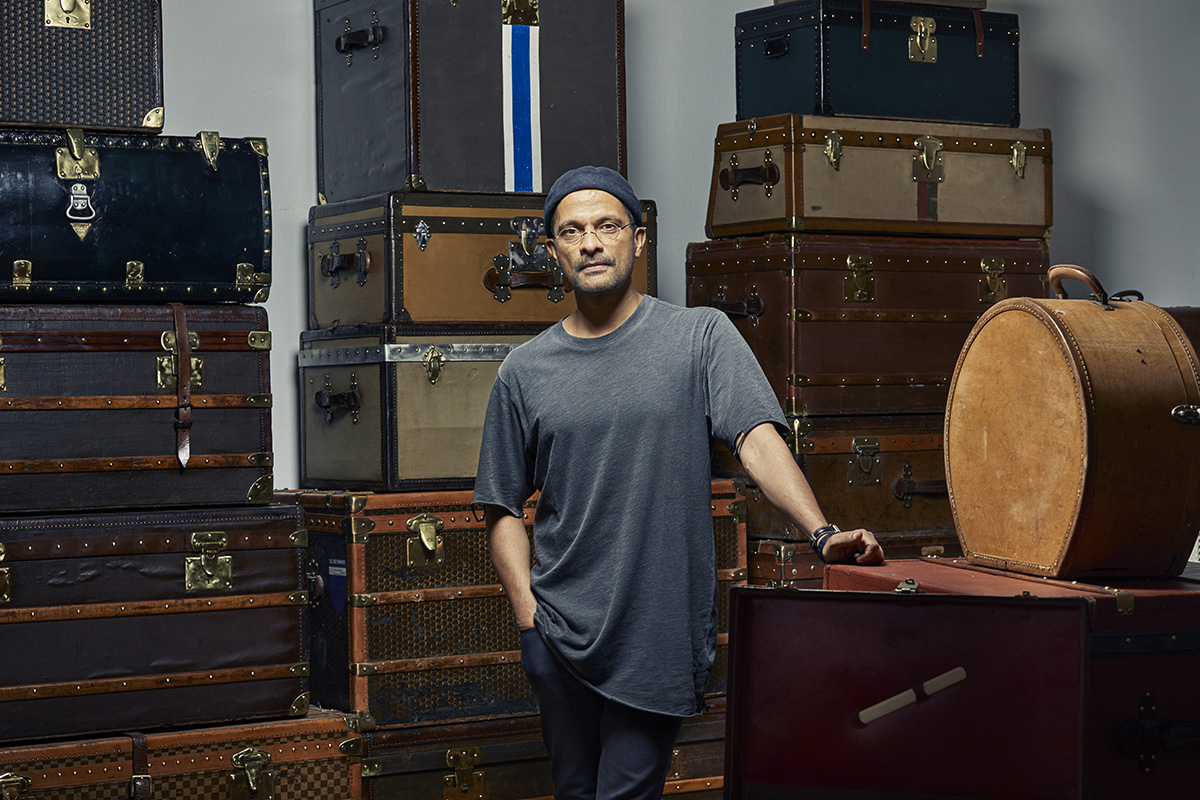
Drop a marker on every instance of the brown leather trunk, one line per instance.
(860, 324)
(793, 564)
(412, 625)
(133, 406)
(1121, 696)
(388, 408)
(314, 757)
(509, 759)
(443, 258)
(790, 172)
(1063, 454)
(139, 621)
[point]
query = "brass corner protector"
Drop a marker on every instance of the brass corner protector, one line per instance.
(355, 503)
(258, 144)
(371, 767)
(261, 490)
(153, 118)
(259, 340)
(299, 538)
(299, 706)
(352, 747)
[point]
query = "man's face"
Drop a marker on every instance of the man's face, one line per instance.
(591, 265)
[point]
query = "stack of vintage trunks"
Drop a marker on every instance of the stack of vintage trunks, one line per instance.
(440, 127)
(146, 586)
(874, 198)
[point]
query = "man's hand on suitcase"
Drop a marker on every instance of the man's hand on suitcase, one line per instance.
(852, 547)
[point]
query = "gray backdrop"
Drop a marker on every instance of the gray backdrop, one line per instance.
(1113, 80)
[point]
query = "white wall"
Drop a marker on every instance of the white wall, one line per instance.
(1114, 80)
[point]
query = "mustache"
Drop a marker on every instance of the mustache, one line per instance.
(581, 261)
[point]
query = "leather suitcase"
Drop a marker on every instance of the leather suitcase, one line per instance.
(82, 64)
(789, 172)
(1061, 417)
(96, 411)
(509, 762)
(792, 564)
(314, 757)
(882, 473)
(1108, 703)
(442, 258)
(138, 621)
(470, 96)
(389, 408)
(860, 324)
(413, 627)
(120, 219)
(920, 61)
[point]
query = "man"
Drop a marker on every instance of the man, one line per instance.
(609, 415)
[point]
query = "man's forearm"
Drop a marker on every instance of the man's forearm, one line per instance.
(770, 464)
(508, 544)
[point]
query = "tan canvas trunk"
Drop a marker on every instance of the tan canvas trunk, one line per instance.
(1065, 455)
(442, 258)
(387, 408)
(803, 173)
(299, 759)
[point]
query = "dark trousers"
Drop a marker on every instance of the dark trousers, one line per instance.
(599, 749)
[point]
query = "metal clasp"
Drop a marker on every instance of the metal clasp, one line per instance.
(210, 570)
(922, 45)
(1018, 159)
(433, 361)
(425, 550)
(466, 783)
(210, 142)
(519, 12)
(864, 468)
(12, 784)
(253, 782)
(908, 586)
(67, 14)
(992, 288)
(22, 274)
(75, 161)
(135, 275)
(168, 365)
(833, 149)
(928, 166)
(859, 286)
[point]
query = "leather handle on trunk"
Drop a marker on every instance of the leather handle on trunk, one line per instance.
(357, 40)
(767, 173)
(1059, 272)
(335, 263)
(905, 488)
(183, 406)
(500, 281)
(752, 306)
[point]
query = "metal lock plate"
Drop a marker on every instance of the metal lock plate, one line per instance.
(466, 783)
(22, 274)
(3, 377)
(519, 12)
(859, 286)
(928, 166)
(168, 373)
(210, 143)
(68, 14)
(992, 287)
(12, 784)
(865, 468)
(251, 781)
(833, 149)
(5, 586)
(208, 571)
(922, 45)
(1018, 159)
(426, 550)
(75, 161)
(135, 275)
(433, 360)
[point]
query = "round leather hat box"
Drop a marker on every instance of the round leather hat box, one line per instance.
(1069, 439)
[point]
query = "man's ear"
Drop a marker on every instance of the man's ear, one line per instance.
(552, 250)
(639, 241)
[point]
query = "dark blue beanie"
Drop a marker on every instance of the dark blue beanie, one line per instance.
(602, 178)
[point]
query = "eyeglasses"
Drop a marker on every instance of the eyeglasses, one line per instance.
(606, 232)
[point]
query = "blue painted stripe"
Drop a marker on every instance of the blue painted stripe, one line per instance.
(522, 131)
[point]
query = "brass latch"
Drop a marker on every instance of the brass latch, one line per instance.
(12, 784)
(425, 550)
(1018, 159)
(928, 166)
(908, 586)
(467, 783)
(800, 430)
(433, 360)
(5, 586)
(859, 285)
(922, 45)
(865, 467)
(67, 14)
(210, 570)
(673, 771)
(22, 274)
(519, 12)
(247, 279)
(210, 142)
(135, 275)
(992, 287)
(833, 149)
(253, 782)
(3, 377)
(76, 162)
(168, 365)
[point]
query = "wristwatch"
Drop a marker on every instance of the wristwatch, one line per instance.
(820, 536)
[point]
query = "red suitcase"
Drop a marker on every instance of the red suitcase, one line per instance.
(1023, 688)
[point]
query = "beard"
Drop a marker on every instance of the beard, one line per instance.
(612, 279)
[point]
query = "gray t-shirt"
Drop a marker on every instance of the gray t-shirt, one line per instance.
(614, 432)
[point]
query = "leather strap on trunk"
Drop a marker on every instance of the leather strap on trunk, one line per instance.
(139, 780)
(183, 408)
